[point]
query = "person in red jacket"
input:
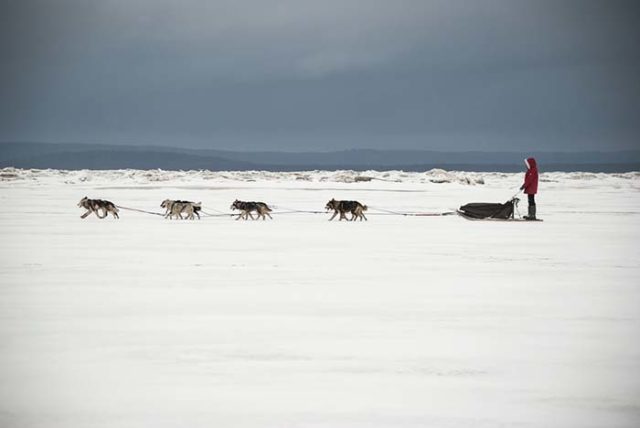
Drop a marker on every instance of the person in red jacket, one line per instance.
(530, 186)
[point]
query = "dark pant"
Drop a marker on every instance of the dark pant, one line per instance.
(532, 200)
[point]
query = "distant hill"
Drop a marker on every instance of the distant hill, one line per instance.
(100, 156)
(122, 159)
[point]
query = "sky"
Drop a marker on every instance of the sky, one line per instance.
(301, 75)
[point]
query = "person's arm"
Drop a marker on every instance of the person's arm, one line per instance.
(527, 180)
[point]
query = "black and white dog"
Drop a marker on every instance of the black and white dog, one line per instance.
(96, 205)
(246, 208)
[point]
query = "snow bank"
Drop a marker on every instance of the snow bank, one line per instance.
(435, 176)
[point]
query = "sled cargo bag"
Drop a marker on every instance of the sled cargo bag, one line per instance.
(488, 210)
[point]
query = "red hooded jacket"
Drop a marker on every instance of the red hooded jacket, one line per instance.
(531, 177)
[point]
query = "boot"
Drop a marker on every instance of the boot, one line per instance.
(532, 213)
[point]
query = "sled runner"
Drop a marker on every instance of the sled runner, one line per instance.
(466, 217)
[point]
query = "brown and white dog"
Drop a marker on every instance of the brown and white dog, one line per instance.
(177, 208)
(342, 207)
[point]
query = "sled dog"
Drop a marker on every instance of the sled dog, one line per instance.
(246, 208)
(177, 208)
(342, 207)
(95, 205)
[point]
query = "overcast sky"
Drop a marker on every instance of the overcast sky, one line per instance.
(322, 75)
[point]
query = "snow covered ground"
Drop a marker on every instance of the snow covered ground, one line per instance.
(298, 322)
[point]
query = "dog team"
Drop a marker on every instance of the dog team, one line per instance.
(174, 209)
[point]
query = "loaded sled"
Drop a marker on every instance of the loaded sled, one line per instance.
(492, 211)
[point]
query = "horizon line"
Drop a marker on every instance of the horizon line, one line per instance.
(352, 149)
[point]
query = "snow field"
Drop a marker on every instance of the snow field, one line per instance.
(298, 322)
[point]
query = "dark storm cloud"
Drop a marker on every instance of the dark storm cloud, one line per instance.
(322, 75)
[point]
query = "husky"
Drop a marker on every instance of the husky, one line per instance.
(176, 208)
(342, 207)
(95, 205)
(246, 208)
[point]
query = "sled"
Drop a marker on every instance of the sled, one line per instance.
(492, 211)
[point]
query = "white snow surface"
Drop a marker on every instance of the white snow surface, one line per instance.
(300, 322)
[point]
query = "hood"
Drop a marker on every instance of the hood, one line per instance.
(531, 163)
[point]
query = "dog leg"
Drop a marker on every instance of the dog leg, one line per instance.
(334, 215)
(85, 214)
